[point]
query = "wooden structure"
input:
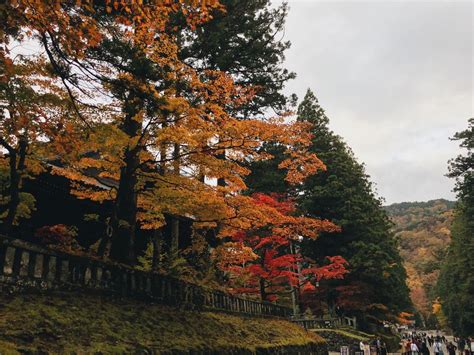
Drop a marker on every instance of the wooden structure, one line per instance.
(55, 204)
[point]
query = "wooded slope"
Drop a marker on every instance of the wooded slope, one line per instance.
(423, 229)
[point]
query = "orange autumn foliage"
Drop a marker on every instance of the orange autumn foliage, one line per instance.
(202, 127)
(162, 130)
(34, 119)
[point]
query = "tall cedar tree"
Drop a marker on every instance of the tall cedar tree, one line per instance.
(344, 195)
(456, 281)
(245, 41)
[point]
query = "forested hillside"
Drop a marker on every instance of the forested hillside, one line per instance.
(423, 229)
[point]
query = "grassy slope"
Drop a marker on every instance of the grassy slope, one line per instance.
(65, 322)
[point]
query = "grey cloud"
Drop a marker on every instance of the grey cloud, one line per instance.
(396, 80)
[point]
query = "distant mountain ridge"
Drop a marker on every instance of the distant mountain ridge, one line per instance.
(399, 206)
(423, 230)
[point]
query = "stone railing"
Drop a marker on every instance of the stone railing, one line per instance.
(318, 323)
(26, 265)
(308, 323)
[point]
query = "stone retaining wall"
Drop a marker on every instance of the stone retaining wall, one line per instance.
(25, 265)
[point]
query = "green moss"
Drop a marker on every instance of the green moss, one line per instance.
(347, 333)
(358, 333)
(67, 322)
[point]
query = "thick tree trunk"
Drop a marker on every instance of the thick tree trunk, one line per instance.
(105, 242)
(124, 219)
(17, 165)
(14, 194)
(174, 237)
(104, 245)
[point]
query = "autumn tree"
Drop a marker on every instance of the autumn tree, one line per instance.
(98, 57)
(34, 116)
(127, 56)
(245, 41)
(264, 259)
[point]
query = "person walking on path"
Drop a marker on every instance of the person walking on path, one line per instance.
(438, 347)
(424, 349)
(414, 347)
(461, 345)
(364, 347)
(451, 348)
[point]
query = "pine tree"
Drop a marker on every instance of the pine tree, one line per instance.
(456, 282)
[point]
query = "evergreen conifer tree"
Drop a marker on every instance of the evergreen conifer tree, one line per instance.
(245, 41)
(344, 194)
(456, 282)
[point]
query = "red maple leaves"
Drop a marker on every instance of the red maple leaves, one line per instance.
(270, 263)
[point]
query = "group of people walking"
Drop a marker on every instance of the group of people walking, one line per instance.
(377, 347)
(424, 344)
(465, 346)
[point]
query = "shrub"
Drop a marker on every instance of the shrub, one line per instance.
(59, 236)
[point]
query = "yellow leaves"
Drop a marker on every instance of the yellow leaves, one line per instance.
(150, 222)
(436, 307)
(405, 318)
(233, 253)
(301, 166)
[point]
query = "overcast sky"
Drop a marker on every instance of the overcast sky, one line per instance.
(396, 80)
